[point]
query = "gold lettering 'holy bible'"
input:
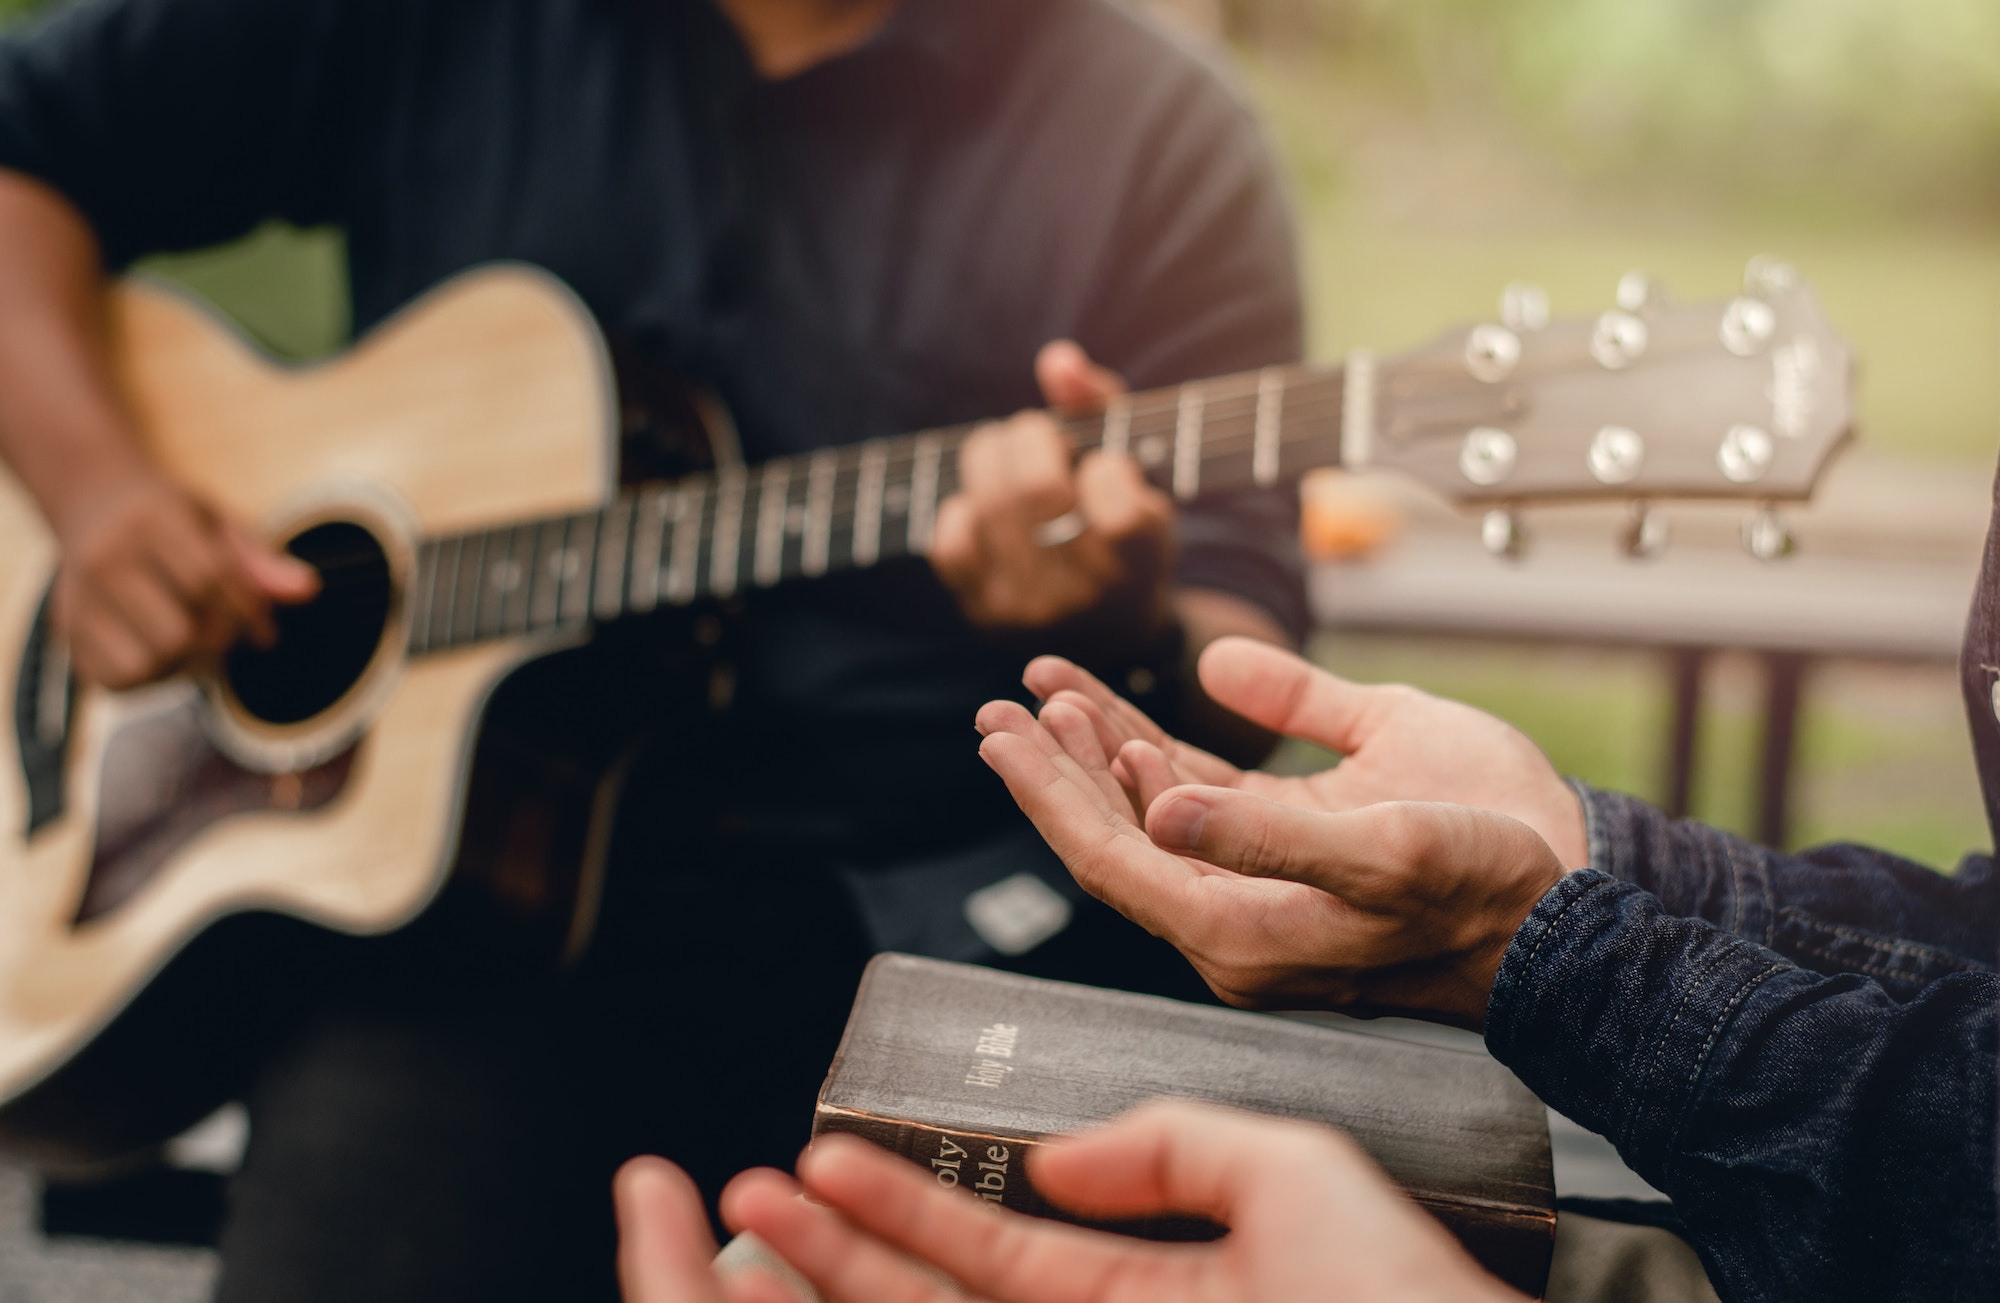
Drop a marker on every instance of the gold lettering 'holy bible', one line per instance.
(963, 1070)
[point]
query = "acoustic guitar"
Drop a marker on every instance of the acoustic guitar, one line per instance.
(454, 479)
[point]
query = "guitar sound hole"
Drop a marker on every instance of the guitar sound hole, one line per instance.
(324, 645)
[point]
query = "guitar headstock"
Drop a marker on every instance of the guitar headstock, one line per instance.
(1747, 398)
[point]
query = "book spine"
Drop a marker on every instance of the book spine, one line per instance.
(992, 1167)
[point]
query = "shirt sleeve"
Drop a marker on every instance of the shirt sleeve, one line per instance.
(173, 124)
(1206, 283)
(1833, 909)
(1819, 1137)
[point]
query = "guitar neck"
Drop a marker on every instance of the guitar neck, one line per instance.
(714, 535)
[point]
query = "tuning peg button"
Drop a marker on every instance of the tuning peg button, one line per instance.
(1747, 326)
(1491, 353)
(1636, 291)
(1768, 538)
(1645, 535)
(1524, 307)
(1487, 456)
(1745, 454)
(1618, 340)
(1501, 534)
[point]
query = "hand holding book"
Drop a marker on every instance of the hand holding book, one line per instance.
(1310, 1217)
(1375, 887)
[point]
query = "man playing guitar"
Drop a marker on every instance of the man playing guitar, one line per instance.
(847, 218)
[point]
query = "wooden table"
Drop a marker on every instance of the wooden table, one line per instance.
(1688, 604)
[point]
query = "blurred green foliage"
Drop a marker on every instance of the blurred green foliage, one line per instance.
(1895, 106)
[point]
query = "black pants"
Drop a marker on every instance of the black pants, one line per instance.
(435, 1128)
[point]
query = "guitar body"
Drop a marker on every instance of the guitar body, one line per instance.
(131, 824)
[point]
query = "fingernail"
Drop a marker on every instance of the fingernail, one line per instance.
(1178, 823)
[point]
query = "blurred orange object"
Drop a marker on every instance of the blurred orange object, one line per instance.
(1345, 515)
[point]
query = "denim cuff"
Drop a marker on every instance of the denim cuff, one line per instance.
(1608, 1008)
(1695, 871)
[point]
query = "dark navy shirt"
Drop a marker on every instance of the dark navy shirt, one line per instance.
(877, 245)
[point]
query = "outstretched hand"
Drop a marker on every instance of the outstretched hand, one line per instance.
(1310, 1217)
(1396, 743)
(1294, 893)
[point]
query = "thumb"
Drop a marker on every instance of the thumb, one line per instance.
(1348, 855)
(278, 575)
(1070, 381)
(1287, 694)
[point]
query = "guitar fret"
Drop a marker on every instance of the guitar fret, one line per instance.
(681, 567)
(545, 603)
(519, 580)
(768, 565)
(868, 503)
(492, 595)
(929, 455)
(817, 541)
(1357, 411)
(725, 557)
(1264, 451)
(445, 589)
(1118, 425)
(471, 587)
(613, 536)
(1187, 443)
(426, 594)
(579, 568)
(647, 536)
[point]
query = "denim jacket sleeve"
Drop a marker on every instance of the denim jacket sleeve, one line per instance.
(1832, 909)
(1824, 1134)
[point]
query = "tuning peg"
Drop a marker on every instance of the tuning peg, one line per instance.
(1524, 307)
(1501, 534)
(1638, 291)
(1767, 276)
(1645, 534)
(1767, 537)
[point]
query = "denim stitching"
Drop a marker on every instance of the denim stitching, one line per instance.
(1667, 1032)
(1897, 946)
(1701, 1060)
(1556, 922)
(1890, 974)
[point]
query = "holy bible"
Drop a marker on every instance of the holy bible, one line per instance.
(962, 1070)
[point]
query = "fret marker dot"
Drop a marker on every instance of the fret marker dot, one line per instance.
(506, 577)
(566, 563)
(896, 499)
(1153, 450)
(795, 518)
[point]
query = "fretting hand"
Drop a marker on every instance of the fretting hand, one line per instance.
(1032, 540)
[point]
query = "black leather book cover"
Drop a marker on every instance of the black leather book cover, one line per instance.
(962, 1069)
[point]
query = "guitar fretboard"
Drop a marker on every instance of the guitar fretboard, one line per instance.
(843, 508)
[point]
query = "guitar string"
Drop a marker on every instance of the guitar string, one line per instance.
(840, 520)
(1222, 436)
